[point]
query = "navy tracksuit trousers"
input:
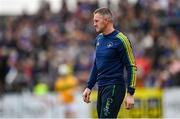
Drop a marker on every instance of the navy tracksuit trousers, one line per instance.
(109, 100)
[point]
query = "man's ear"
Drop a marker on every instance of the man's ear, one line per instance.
(106, 20)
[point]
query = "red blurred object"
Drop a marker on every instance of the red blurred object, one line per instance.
(144, 67)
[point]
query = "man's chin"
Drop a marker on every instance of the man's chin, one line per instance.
(98, 31)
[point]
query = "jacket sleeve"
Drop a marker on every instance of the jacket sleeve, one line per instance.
(93, 76)
(129, 61)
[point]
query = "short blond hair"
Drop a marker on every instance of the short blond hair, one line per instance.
(105, 12)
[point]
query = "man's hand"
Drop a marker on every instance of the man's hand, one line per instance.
(129, 101)
(86, 95)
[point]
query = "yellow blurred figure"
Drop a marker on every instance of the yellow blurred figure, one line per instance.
(66, 85)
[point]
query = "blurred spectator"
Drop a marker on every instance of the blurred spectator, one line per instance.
(3, 69)
(66, 85)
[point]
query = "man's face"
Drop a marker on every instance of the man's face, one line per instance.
(99, 23)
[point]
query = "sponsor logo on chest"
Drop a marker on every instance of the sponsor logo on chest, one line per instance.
(109, 44)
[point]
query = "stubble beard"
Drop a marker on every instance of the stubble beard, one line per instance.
(100, 30)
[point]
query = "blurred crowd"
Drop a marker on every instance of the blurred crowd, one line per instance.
(47, 47)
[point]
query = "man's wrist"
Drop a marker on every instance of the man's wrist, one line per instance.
(89, 87)
(131, 91)
(129, 94)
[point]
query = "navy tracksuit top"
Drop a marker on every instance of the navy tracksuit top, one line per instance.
(113, 54)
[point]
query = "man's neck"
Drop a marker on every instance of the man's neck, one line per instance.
(109, 29)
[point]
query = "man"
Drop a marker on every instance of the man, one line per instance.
(113, 53)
